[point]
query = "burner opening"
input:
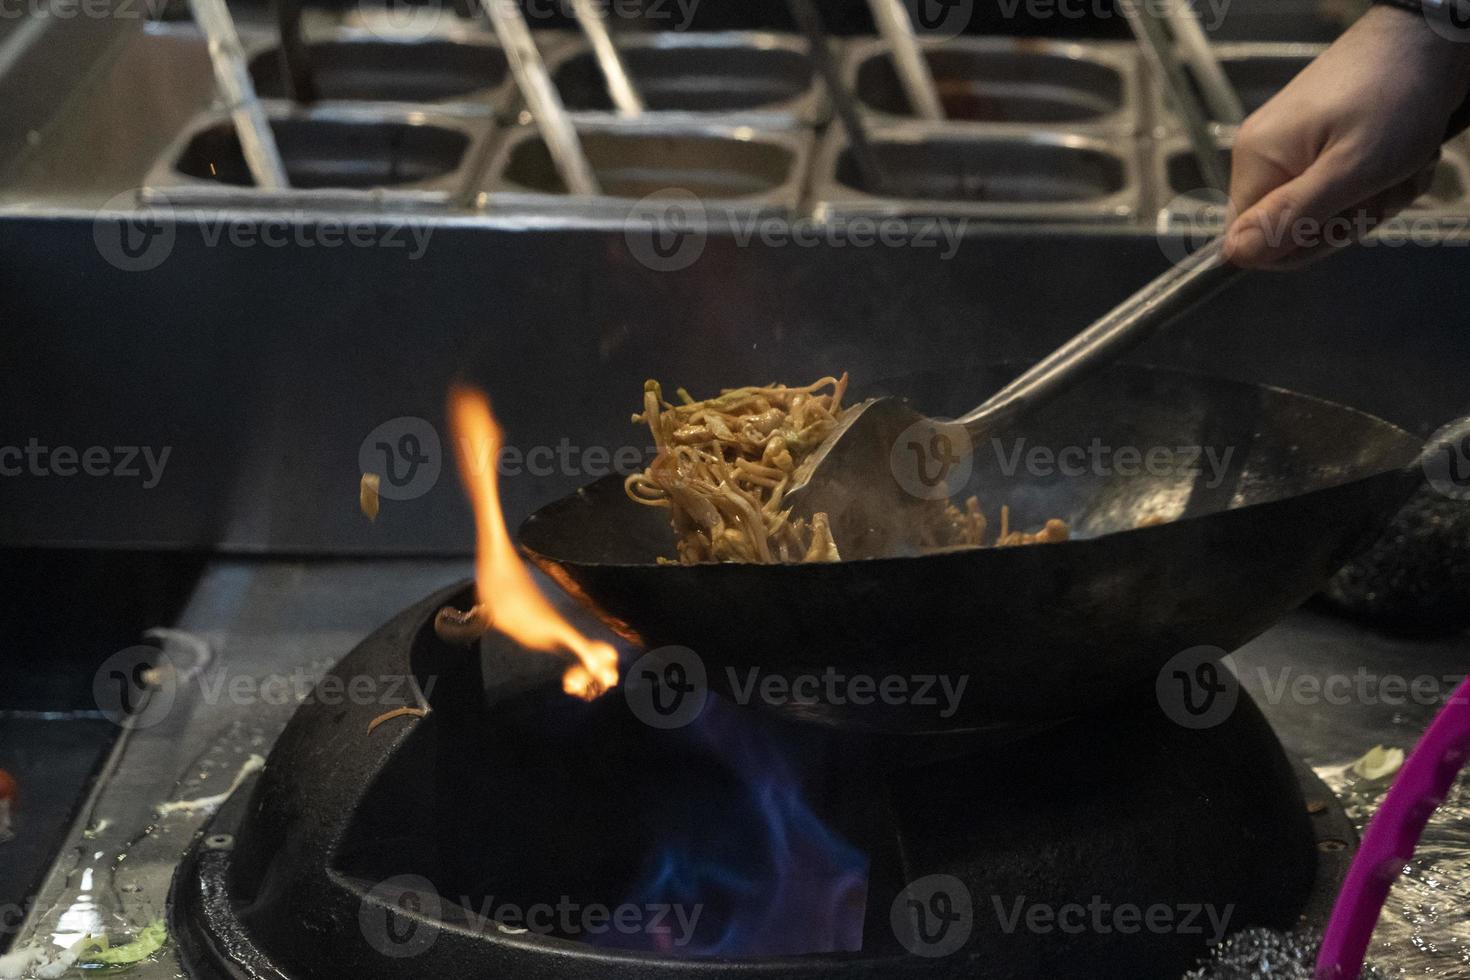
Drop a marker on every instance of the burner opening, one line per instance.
(734, 836)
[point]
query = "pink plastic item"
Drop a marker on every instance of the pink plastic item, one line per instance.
(1393, 833)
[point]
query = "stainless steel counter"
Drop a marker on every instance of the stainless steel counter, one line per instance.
(260, 343)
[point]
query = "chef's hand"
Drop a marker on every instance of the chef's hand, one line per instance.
(1353, 139)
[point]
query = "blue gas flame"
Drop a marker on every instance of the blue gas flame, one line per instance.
(765, 874)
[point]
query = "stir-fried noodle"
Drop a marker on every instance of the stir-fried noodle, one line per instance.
(723, 466)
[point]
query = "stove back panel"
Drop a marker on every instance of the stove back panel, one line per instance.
(262, 371)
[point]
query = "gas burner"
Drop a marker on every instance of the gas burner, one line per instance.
(516, 831)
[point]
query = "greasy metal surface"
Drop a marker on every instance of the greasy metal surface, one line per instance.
(44, 54)
(271, 630)
(1183, 197)
(936, 169)
(252, 130)
(454, 68)
(1011, 83)
(52, 756)
(1256, 70)
(725, 169)
(340, 155)
(1334, 690)
(729, 77)
(120, 117)
(1303, 486)
(1162, 54)
(543, 101)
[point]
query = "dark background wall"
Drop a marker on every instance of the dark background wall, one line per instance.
(264, 369)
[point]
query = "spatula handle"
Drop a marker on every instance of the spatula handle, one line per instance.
(1159, 303)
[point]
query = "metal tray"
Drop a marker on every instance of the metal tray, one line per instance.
(1183, 199)
(727, 169)
(1010, 83)
(727, 77)
(1043, 175)
(454, 67)
(378, 157)
(1257, 70)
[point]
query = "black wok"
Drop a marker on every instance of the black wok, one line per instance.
(1038, 632)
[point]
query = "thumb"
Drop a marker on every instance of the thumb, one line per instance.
(1292, 216)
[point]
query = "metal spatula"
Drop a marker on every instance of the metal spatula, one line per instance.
(878, 475)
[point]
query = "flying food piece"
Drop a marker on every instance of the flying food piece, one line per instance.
(367, 495)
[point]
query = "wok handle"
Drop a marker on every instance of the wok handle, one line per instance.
(1156, 305)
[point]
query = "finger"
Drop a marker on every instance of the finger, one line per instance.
(1252, 177)
(1350, 225)
(1423, 181)
(1292, 215)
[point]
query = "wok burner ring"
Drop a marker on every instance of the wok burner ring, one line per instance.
(512, 790)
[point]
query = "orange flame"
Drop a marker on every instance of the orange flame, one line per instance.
(508, 596)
